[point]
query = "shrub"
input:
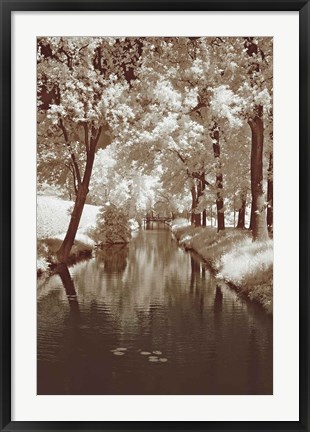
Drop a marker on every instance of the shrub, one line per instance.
(112, 226)
(178, 223)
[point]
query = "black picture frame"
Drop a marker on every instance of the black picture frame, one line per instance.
(7, 7)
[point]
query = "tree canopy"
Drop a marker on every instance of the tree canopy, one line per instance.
(180, 123)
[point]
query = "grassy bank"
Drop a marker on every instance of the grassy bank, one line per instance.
(46, 253)
(234, 257)
(53, 216)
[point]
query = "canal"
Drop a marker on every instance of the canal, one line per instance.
(149, 318)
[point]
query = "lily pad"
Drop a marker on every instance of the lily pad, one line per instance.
(153, 359)
(120, 349)
(157, 352)
(119, 353)
(163, 360)
(145, 353)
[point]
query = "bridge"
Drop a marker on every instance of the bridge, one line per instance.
(158, 219)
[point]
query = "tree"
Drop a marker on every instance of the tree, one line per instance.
(270, 193)
(246, 70)
(82, 83)
(256, 123)
(120, 181)
(175, 112)
(111, 226)
(215, 135)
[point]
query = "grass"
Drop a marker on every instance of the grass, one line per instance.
(53, 216)
(245, 265)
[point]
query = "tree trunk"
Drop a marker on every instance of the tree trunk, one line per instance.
(259, 228)
(251, 218)
(197, 219)
(194, 203)
(204, 211)
(215, 135)
(220, 214)
(270, 194)
(241, 213)
(64, 250)
(198, 215)
(258, 216)
(90, 144)
(204, 218)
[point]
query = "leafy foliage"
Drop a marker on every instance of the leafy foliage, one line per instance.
(154, 105)
(111, 226)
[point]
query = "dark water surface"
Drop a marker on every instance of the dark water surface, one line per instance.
(149, 296)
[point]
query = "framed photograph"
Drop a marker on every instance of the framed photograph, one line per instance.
(154, 215)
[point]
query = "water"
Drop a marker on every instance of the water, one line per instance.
(145, 297)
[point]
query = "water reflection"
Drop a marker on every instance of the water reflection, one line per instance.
(113, 258)
(67, 282)
(218, 301)
(149, 296)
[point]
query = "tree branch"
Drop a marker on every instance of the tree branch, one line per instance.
(73, 158)
(83, 47)
(91, 144)
(86, 137)
(180, 156)
(201, 178)
(196, 175)
(71, 169)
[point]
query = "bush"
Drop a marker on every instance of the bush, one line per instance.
(42, 265)
(178, 223)
(112, 226)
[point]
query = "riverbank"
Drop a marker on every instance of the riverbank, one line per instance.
(53, 216)
(244, 265)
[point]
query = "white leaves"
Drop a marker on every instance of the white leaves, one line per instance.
(166, 95)
(168, 125)
(190, 98)
(55, 112)
(226, 104)
(197, 68)
(161, 120)
(263, 98)
(112, 78)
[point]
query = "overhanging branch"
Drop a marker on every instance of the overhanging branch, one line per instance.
(72, 155)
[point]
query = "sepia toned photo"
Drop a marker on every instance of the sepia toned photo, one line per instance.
(154, 215)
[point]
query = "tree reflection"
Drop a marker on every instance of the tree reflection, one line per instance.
(195, 270)
(218, 308)
(218, 300)
(197, 281)
(71, 351)
(68, 284)
(114, 258)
